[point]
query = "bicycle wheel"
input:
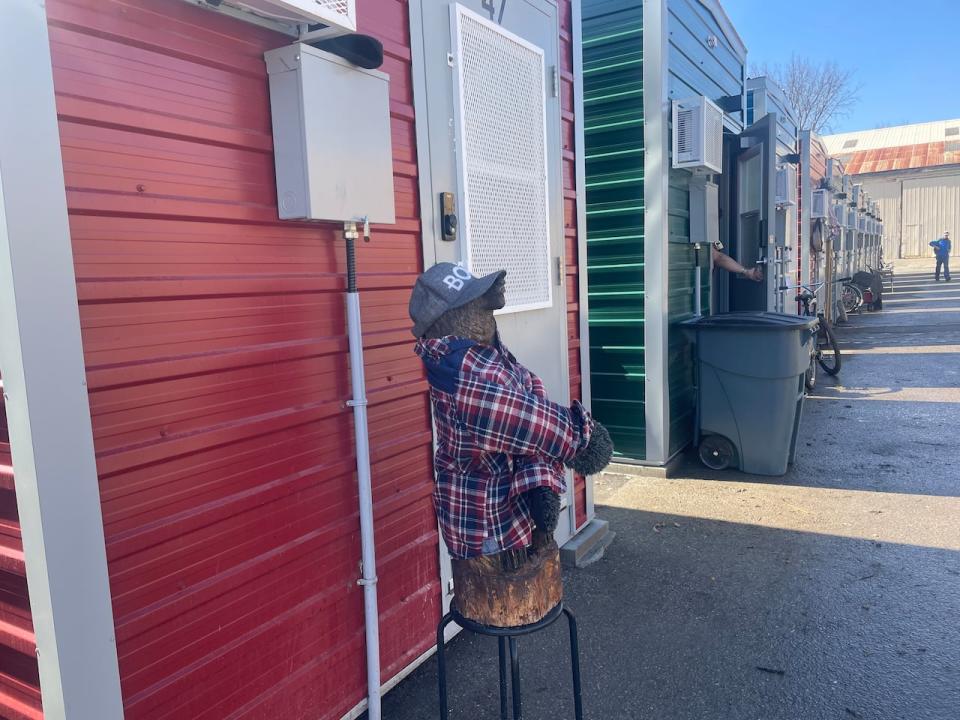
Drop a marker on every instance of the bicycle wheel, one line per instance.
(828, 352)
(810, 377)
(851, 297)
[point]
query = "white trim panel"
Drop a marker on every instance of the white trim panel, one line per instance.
(656, 140)
(41, 356)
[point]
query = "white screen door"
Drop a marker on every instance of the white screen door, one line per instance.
(500, 116)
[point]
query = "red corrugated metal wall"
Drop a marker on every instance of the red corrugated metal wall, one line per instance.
(215, 344)
(215, 348)
(19, 678)
(570, 225)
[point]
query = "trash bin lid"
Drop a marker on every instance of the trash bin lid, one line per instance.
(761, 321)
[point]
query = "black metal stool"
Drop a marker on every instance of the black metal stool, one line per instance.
(508, 636)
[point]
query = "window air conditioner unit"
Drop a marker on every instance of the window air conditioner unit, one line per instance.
(338, 15)
(786, 185)
(819, 202)
(697, 135)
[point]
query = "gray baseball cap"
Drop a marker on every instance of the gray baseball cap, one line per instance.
(444, 287)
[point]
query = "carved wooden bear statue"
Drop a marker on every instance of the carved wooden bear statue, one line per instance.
(501, 448)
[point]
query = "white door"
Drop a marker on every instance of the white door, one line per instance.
(488, 116)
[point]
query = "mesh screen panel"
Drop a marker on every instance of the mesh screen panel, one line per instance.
(503, 160)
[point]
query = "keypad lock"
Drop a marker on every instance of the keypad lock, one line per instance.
(448, 217)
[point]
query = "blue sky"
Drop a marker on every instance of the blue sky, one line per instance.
(905, 54)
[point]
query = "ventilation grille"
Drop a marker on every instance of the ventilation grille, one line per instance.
(818, 204)
(697, 135)
(503, 158)
(850, 144)
(713, 140)
(340, 14)
(950, 131)
(688, 145)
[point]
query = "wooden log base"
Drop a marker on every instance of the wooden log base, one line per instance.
(493, 590)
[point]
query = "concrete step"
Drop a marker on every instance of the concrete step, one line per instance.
(588, 545)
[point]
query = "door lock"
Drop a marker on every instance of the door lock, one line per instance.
(448, 217)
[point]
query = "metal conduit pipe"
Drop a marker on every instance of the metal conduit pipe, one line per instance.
(368, 579)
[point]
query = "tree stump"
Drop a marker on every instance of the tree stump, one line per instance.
(487, 593)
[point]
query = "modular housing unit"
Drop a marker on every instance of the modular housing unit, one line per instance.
(815, 225)
(639, 57)
(184, 459)
(764, 96)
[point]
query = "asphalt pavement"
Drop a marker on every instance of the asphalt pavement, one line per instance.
(832, 593)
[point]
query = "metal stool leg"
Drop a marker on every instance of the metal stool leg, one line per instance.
(575, 663)
(502, 647)
(515, 678)
(442, 664)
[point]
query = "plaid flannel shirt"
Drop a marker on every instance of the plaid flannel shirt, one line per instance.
(498, 436)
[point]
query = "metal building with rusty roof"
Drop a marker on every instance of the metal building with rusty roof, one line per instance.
(914, 172)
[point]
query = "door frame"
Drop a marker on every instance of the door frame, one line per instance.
(763, 134)
(430, 210)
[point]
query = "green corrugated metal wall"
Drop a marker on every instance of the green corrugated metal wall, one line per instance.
(680, 306)
(613, 125)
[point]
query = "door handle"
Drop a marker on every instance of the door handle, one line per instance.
(448, 217)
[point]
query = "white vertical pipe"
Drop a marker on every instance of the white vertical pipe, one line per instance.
(368, 579)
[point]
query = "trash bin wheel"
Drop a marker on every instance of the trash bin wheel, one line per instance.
(716, 452)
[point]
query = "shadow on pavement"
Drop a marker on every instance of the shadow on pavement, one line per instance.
(693, 618)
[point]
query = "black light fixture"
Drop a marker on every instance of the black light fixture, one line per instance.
(361, 50)
(730, 103)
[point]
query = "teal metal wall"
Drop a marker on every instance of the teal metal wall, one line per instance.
(680, 307)
(613, 130)
(694, 68)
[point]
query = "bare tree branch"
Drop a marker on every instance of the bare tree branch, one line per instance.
(819, 93)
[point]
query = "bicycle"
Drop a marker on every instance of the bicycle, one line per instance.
(825, 352)
(851, 297)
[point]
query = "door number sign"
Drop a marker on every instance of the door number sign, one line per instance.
(491, 7)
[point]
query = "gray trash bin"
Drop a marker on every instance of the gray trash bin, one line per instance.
(751, 368)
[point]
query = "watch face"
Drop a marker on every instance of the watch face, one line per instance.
(718, 245)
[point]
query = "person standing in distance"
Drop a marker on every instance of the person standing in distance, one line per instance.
(941, 249)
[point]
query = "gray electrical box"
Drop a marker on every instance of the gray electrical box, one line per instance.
(704, 212)
(331, 137)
